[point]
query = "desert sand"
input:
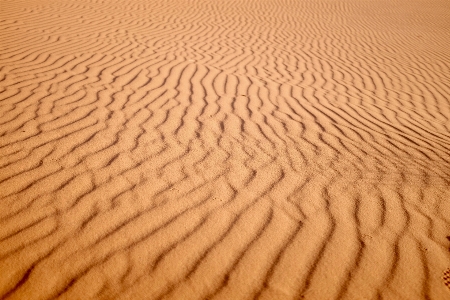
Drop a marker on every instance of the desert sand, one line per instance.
(212, 149)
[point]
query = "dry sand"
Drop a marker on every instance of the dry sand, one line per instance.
(239, 149)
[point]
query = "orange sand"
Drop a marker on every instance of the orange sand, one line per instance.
(224, 149)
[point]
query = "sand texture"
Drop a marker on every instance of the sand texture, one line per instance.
(224, 149)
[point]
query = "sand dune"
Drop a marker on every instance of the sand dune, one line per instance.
(240, 149)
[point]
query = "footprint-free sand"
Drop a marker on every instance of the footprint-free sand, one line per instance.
(226, 149)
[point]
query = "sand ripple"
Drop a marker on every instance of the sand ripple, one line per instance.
(180, 149)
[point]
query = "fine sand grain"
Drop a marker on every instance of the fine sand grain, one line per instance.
(224, 149)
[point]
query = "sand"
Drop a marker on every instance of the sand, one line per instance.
(239, 149)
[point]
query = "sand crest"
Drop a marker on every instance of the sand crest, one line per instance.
(239, 149)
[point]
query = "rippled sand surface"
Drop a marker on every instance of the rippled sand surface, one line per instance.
(239, 149)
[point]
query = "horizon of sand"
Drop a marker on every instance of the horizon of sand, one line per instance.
(241, 149)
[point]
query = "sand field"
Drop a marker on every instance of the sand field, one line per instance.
(212, 149)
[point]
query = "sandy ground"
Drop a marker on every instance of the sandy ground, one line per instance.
(239, 149)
